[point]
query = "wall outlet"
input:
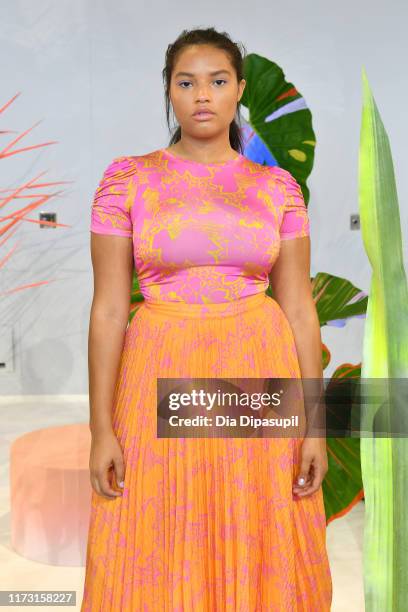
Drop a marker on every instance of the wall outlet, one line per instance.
(48, 216)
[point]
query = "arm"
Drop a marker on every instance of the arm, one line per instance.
(290, 282)
(112, 260)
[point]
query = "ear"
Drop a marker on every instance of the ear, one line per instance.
(241, 88)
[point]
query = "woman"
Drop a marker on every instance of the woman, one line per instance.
(181, 523)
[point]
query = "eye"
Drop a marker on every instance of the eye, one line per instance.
(182, 83)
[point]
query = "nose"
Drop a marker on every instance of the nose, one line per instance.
(202, 94)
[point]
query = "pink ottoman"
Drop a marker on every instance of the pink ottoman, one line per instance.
(51, 494)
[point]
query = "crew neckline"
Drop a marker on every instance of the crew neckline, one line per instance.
(175, 157)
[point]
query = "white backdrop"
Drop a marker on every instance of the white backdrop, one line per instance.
(91, 73)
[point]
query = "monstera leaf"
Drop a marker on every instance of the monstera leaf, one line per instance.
(280, 124)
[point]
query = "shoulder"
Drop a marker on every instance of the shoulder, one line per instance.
(120, 167)
(114, 199)
(127, 166)
(275, 173)
(276, 180)
(282, 176)
(286, 183)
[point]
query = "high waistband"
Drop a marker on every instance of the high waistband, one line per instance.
(214, 309)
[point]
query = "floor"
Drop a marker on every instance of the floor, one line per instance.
(344, 535)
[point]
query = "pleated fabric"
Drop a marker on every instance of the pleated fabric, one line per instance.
(205, 524)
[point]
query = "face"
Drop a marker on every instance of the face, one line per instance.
(203, 77)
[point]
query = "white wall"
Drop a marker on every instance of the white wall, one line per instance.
(91, 72)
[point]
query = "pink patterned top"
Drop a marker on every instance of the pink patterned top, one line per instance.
(201, 232)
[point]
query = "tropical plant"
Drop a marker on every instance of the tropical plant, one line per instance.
(31, 192)
(279, 131)
(384, 460)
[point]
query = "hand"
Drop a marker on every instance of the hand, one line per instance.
(106, 461)
(313, 468)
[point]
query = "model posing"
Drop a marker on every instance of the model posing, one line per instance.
(200, 524)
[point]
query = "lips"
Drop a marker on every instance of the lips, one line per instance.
(203, 115)
(203, 112)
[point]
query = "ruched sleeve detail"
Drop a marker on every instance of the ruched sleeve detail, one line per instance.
(113, 199)
(295, 221)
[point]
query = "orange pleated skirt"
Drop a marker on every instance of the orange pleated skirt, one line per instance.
(205, 524)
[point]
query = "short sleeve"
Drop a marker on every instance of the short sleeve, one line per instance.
(113, 199)
(295, 221)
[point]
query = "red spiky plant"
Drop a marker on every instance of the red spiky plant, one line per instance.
(22, 200)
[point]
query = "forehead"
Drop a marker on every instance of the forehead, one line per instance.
(201, 59)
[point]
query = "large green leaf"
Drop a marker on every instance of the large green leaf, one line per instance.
(385, 355)
(342, 486)
(332, 296)
(278, 114)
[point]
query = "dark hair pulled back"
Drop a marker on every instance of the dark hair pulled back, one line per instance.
(220, 40)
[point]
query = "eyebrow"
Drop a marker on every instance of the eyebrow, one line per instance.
(190, 74)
